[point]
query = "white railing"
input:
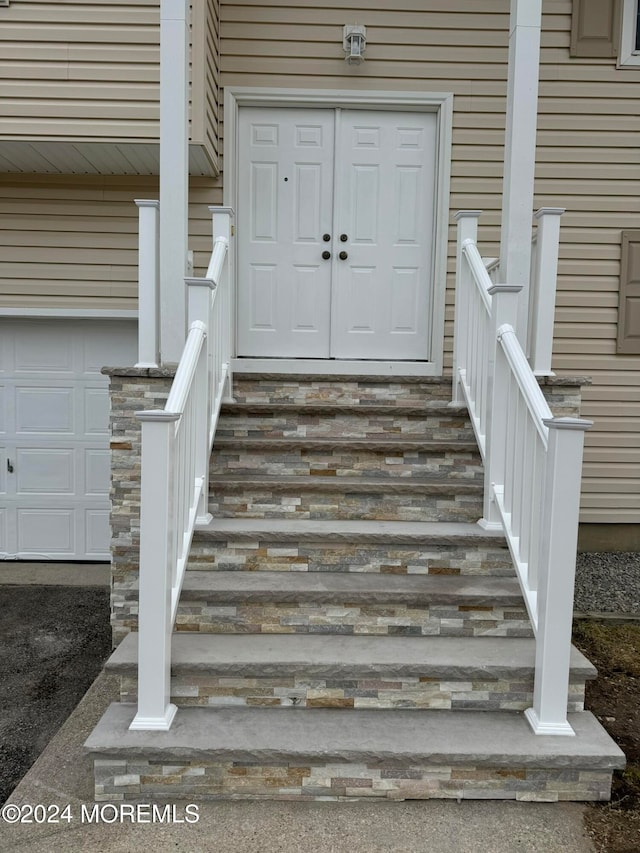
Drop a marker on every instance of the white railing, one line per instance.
(176, 447)
(533, 465)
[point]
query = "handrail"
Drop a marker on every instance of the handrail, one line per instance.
(532, 464)
(176, 448)
(186, 369)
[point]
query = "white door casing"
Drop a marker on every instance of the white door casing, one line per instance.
(380, 191)
(54, 435)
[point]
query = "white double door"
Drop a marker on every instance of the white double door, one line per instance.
(335, 233)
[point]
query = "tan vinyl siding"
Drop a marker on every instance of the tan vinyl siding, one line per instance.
(75, 245)
(80, 70)
(89, 72)
(587, 162)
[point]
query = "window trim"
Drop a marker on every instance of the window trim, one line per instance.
(629, 54)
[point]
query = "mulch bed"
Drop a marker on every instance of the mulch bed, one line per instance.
(614, 698)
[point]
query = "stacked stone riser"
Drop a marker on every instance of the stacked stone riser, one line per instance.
(237, 458)
(382, 620)
(119, 780)
(406, 694)
(272, 421)
(394, 559)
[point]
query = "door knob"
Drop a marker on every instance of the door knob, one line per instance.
(343, 256)
(326, 237)
(9, 466)
(343, 238)
(326, 255)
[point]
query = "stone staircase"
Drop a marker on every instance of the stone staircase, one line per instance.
(346, 629)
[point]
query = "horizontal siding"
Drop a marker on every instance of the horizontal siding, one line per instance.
(90, 71)
(75, 245)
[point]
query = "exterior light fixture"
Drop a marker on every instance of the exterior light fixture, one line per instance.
(354, 39)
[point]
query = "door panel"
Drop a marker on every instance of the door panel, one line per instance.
(286, 187)
(368, 175)
(386, 181)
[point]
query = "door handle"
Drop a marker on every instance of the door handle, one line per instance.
(326, 255)
(343, 256)
(9, 466)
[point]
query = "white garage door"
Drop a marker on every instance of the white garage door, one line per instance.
(54, 435)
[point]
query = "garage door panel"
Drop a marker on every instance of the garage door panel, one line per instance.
(97, 532)
(46, 531)
(45, 410)
(96, 472)
(54, 411)
(96, 411)
(45, 471)
(40, 348)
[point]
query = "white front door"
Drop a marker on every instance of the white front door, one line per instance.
(335, 233)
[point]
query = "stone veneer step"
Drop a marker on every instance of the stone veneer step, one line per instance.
(331, 656)
(328, 754)
(351, 603)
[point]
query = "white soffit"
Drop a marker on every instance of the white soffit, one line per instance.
(92, 158)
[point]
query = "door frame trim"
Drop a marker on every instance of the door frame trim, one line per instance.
(434, 102)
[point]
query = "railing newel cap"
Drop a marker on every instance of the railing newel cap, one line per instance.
(568, 423)
(504, 288)
(191, 281)
(462, 214)
(147, 202)
(549, 211)
(214, 208)
(157, 415)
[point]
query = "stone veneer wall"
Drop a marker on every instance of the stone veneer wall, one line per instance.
(134, 389)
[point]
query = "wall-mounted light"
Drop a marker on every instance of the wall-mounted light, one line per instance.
(354, 39)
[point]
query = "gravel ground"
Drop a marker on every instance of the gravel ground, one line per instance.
(608, 583)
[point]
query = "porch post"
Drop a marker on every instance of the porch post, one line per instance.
(467, 221)
(543, 283)
(559, 535)
(174, 175)
(520, 151)
(223, 226)
(148, 268)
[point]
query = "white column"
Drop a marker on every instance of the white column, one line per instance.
(155, 625)
(543, 297)
(559, 539)
(148, 282)
(520, 151)
(174, 175)
(467, 230)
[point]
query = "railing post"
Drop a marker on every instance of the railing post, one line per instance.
(504, 309)
(559, 536)
(467, 230)
(543, 287)
(155, 711)
(199, 310)
(148, 282)
(223, 227)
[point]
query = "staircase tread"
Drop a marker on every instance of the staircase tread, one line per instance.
(336, 407)
(339, 655)
(353, 530)
(273, 736)
(325, 481)
(326, 587)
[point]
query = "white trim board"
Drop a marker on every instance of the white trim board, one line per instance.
(442, 105)
(71, 313)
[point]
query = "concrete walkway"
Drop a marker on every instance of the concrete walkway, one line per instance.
(63, 776)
